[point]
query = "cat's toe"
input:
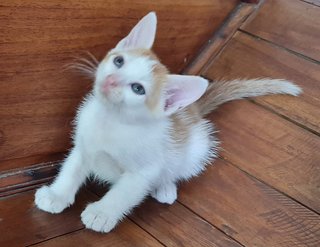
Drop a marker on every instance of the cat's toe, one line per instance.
(47, 201)
(95, 218)
(165, 194)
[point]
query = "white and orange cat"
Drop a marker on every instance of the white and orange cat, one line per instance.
(142, 130)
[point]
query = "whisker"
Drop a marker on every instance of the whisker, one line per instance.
(86, 61)
(93, 58)
(83, 69)
(84, 65)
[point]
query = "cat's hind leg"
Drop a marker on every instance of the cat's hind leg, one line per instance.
(165, 193)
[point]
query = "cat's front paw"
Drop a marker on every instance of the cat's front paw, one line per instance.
(96, 218)
(46, 200)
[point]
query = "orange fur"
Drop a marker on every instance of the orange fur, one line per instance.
(160, 73)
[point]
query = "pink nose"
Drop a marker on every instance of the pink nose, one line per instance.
(110, 82)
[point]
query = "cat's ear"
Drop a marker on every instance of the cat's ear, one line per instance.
(142, 35)
(183, 90)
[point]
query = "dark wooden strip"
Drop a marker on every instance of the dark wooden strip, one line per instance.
(18, 180)
(220, 38)
(271, 149)
(315, 2)
(292, 24)
(250, 1)
(248, 57)
(12, 165)
(248, 210)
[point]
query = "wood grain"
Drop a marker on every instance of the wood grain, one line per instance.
(249, 211)
(127, 234)
(11, 165)
(23, 224)
(170, 224)
(38, 98)
(18, 180)
(220, 38)
(272, 149)
(247, 57)
(175, 225)
(293, 24)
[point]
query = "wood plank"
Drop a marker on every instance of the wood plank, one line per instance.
(170, 224)
(220, 38)
(23, 224)
(175, 225)
(127, 234)
(271, 149)
(247, 57)
(249, 211)
(38, 98)
(292, 24)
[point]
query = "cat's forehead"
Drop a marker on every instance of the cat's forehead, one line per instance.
(143, 60)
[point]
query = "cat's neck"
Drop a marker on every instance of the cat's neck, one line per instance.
(123, 115)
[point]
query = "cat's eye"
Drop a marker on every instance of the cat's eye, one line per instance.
(138, 88)
(118, 61)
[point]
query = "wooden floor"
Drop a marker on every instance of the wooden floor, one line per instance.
(265, 188)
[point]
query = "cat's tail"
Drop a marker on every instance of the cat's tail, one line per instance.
(222, 92)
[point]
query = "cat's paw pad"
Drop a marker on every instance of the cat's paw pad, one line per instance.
(94, 217)
(165, 194)
(47, 201)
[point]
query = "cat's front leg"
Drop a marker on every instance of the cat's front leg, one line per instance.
(124, 195)
(61, 193)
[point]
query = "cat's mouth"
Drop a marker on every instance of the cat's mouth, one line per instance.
(110, 94)
(111, 83)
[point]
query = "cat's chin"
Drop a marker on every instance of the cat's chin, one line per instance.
(112, 99)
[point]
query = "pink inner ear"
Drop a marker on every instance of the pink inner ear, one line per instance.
(182, 91)
(172, 97)
(142, 35)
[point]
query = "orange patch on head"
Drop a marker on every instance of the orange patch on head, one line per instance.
(159, 73)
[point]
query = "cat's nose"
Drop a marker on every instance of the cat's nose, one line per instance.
(111, 81)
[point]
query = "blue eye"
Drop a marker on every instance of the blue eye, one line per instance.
(138, 88)
(118, 61)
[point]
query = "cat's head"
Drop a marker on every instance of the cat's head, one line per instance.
(132, 80)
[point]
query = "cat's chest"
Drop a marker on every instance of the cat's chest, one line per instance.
(99, 132)
(111, 136)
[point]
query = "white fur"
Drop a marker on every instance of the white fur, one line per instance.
(136, 158)
(119, 141)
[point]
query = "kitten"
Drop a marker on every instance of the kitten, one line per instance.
(142, 130)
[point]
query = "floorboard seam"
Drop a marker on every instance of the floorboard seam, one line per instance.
(58, 236)
(314, 4)
(268, 185)
(192, 211)
(300, 55)
(266, 107)
(154, 237)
